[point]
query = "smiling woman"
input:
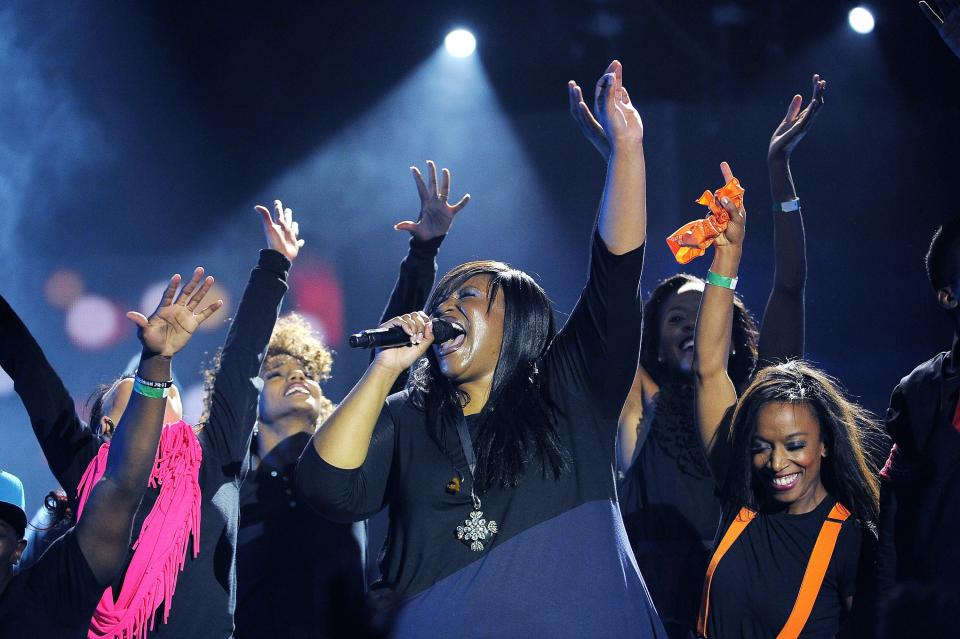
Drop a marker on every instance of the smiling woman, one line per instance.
(792, 456)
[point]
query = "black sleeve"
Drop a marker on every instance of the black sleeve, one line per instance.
(782, 327)
(596, 352)
(68, 444)
(233, 402)
(886, 544)
(847, 557)
(417, 273)
(63, 581)
(347, 495)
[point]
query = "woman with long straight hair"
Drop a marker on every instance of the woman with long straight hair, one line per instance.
(793, 460)
(496, 462)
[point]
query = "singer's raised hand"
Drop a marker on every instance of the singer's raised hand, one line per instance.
(399, 358)
(436, 213)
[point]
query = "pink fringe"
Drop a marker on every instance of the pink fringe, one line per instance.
(160, 551)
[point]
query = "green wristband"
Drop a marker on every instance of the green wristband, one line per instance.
(147, 391)
(722, 281)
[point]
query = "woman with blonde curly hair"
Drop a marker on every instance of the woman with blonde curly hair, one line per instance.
(296, 571)
(318, 592)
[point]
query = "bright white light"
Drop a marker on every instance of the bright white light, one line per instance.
(93, 322)
(460, 43)
(861, 20)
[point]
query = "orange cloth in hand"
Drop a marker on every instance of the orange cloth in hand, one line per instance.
(691, 240)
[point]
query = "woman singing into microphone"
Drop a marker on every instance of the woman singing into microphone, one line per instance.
(496, 462)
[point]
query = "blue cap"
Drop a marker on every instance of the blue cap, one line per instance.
(12, 502)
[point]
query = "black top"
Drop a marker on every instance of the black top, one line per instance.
(319, 591)
(203, 603)
(756, 583)
(670, 507)
(298, 574)
(54, 599)
(587, 371)
(921, 510)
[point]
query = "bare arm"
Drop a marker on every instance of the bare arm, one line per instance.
(782, 330)
(104, 528)
(714, 389)
(344, 439)
(633, 428)
(622, 222)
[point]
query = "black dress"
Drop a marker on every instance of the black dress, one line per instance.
(671, 509)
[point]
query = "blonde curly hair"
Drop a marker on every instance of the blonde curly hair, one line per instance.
(294, 336)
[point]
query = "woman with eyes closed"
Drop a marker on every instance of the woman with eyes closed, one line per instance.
(496, 462)
(667, 493)
(792, 458)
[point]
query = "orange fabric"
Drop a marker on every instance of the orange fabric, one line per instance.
(815, 572)
(693, 239)
(740, 522)
(812, 576)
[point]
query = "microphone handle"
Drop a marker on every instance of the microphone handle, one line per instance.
(396, 336)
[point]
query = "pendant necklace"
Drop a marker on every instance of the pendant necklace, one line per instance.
(477, 529)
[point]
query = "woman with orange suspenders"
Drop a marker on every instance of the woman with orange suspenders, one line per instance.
(798, 488)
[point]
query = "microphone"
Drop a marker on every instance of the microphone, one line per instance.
(395, 335)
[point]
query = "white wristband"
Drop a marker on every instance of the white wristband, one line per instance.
(790, 205)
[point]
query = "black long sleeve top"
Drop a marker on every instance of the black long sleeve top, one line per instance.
(561, 546)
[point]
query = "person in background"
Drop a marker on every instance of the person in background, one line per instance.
(57, 596)
(185, 588)
(299, 574)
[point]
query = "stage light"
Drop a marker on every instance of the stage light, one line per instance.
(93, 322)
(460, 43)
(861, 20)
(63, 288)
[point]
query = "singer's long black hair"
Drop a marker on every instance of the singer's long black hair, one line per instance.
(517, 424)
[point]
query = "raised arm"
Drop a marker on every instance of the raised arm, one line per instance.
(711, 352)
(944, 15)
(233, 401)
(67, 443)
(781, 333)
(622, 222)
(419, 268)
(104, 526)
(597, 348)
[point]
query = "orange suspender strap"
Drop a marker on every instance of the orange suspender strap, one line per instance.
(815, 572)
(744, 517)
